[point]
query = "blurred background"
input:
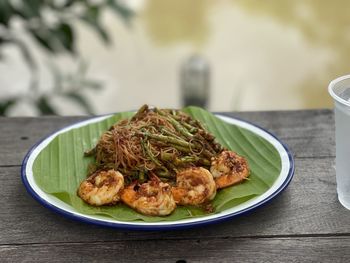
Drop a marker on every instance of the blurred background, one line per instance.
(72, 57)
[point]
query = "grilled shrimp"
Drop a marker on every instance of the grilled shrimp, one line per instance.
(228, 168)
(153, 198)
(102, 188)
(194, 186)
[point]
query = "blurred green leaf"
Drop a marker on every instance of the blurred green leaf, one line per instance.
(64, 33)
(5, 105)
(29, 9)
(125, 13)
(3, 41)
(45, 107)
(69, 3)
(60, 5)
(6, 12)
(55, 40)
(81, 100)
(91, 17)
(44, 38)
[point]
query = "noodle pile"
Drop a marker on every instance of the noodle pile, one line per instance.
(154, 141)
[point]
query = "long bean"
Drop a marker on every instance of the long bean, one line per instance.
(189, 127)
(167, 132)
(177, 147)
(164, 172)
(149, 153)
(179, 142)
(142, 176)
(167, 139)
(206, 145)
(175, 123)
(141, 111)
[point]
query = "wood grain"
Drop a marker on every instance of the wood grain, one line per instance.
(305, 223)
(309, 133)
(310, 249)
(17, 135)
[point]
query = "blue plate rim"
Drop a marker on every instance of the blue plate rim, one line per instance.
(126, 226)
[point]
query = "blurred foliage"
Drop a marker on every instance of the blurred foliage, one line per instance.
(51, 24)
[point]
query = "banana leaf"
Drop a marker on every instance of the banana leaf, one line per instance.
(61, 166)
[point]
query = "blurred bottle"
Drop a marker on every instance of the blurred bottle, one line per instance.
(195, 81)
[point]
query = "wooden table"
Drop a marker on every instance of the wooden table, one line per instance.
(305, 223)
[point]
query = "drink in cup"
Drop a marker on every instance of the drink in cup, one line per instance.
(339, 89)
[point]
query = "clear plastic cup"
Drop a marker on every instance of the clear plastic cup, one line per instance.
(339, 89)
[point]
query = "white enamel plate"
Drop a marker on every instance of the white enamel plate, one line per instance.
(53, 203)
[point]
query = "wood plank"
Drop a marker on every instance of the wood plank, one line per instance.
(308, 133)
(308, 206)
(310, 249)
(18, 135)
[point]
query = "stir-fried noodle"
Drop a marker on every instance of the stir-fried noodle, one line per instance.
(155, 141)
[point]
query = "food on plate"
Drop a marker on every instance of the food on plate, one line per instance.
(102, 188)
(228, 168)
(165, 158)
(153, 198)
(194, 186)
